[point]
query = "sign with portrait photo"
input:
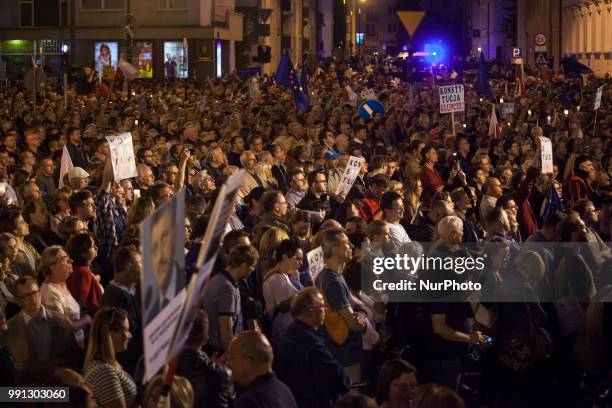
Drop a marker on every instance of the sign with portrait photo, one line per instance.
(163, 279)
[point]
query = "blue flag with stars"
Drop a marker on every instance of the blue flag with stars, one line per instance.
(286, 75)
(554, 203)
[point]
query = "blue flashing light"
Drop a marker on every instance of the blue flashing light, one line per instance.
(436, 52)
(405, 48)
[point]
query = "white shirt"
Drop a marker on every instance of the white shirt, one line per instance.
(276, 289)
(398, 234)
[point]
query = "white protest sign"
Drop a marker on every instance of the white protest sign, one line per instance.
(598, 98)
(350, 175)
(315, 262)
(122, 156)
(547, 155)
(452, 98)
(162, 280)
(224, 206)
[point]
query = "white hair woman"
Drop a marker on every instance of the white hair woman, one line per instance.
(450, 229)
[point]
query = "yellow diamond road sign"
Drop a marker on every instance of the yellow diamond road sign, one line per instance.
(411, 20)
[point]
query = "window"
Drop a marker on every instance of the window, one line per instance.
(103, 4)
(46, 13)
(370, 32)
(26, 14)
(172, 4)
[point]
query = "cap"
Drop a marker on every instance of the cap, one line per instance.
(331, 155)
(77, 172)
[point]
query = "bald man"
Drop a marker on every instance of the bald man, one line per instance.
(250, 357)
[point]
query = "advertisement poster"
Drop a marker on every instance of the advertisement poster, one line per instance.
(145, 59)
(106, 54)
(175, 61)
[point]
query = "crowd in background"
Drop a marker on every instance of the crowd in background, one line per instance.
(267, 335)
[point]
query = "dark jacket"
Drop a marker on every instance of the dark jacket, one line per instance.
(268, 220)
(265, 391)
(41, 238)
(46, 185)
(76, 156)
(305, 364)
(211, 382)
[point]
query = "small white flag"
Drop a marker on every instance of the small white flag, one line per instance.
(65, 166)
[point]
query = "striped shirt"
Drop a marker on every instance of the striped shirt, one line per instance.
(110, 384)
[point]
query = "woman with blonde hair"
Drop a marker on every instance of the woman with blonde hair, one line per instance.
(267, 244)
(412, 197)
(140, 209)
(110, 334)
(263, 170)
(54, 269)
(180, 395)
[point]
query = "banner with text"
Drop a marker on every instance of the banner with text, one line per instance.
(353, 167)
(452, 98)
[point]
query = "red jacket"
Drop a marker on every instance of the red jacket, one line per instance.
(431, 181)
(84, 287)
(577, 189)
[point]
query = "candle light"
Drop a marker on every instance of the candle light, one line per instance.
(578, 108)
(501, 100)
(565, 112)
(529, 112)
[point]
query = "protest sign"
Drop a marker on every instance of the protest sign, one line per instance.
(598, 98)
(315, 262)
(163, 279)
(547, 155)
(122, 156)
(452, 98)
(224, 206)
(350, 175)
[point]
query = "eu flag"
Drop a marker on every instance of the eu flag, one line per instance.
(553, 204)
(482, 85)
(286, 75)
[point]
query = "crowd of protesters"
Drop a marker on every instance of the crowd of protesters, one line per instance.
(266, 334)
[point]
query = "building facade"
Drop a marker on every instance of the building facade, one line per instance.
(491, 26)
(180, 38)
(579, 28)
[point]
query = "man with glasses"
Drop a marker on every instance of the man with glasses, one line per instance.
(303, 361)
(275, 211)
(316, 199)
(37, 338)
(297, 187)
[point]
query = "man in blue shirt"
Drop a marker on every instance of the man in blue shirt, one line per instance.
(337, 251)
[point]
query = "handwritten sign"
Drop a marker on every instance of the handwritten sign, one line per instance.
(122, 156)
(598, 98)
(547, 155)
(350, 175)
(452, 98)
(315, 262)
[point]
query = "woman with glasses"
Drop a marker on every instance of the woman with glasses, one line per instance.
(83, 285)
(281, 283)
(54, 268)
(110, 334)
